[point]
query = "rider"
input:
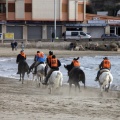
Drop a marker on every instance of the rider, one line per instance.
(74, 64)
(40, 59)
(49, 57)
(54, 65)
(105, 64)
(20, 57)
(35, 60)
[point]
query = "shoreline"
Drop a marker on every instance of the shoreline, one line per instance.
(7, 52)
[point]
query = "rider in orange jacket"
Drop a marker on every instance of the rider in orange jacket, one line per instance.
(54, 66)
(105, 64)
(75, 64)
(20, 57)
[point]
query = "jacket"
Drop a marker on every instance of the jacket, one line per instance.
(49, 57)
(105, 64)
(55, 64)
(41, 57)
(20, 57)
(75, 63)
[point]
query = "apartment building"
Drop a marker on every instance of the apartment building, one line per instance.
(38, 19)
(35, 19)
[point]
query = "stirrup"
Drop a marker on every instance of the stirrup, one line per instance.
(96, 79)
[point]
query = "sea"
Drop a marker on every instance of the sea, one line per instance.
(89, 65)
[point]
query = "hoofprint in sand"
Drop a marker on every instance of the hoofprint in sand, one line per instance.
(29, 102)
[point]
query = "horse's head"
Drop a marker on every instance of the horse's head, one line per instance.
(68, 67)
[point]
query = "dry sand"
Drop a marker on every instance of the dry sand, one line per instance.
(29, 102)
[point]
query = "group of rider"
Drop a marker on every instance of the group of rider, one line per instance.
(54, 63)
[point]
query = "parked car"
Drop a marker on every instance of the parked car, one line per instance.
(77, 35)
(110, 36)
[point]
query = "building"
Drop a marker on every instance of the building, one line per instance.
(38, 19)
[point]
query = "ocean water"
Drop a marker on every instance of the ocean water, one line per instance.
(88, 64)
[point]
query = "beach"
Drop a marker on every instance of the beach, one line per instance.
(28, 101)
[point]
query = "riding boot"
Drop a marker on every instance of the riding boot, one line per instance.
(35, 70)
(47, 77)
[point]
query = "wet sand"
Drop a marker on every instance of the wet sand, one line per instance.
(29, 102)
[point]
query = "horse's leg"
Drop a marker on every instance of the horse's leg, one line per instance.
(75, 86)
(39, 79)
(70, 85)
(101, 90)
(23, 74)
(78, 86)
(20, 77)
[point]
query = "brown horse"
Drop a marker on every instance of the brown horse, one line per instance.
(23, 67)
(75, 77)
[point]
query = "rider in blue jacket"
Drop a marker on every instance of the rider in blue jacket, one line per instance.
(40, 59)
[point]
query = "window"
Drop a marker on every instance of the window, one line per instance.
(11, 7)
(28, 7)
(74, 33)
(82, 33)
(2, 8)
(112, 29)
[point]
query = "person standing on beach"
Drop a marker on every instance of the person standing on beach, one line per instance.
(12, 45)
(22, 45)
(15, 44)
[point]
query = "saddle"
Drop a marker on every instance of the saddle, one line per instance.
(103, 70)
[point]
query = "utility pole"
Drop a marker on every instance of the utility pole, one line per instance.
(55, 18)
(6, 9)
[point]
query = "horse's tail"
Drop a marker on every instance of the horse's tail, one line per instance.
(59, 79)
(82, 77)
(107, 80)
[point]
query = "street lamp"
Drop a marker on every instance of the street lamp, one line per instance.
(6, 9)
(55, 18)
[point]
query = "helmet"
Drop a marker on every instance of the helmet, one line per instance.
(51, 52)
(22, 51)
(38, 51)
(53, 56)
(105, 58)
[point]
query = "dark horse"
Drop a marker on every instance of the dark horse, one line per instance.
(23, 68)
(75, 77)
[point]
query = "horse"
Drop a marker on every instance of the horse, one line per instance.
(105, 79)
(55, 80)
(75, 77)
(41, 73)
(23, 68)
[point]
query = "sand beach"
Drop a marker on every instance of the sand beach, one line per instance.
(29, 102)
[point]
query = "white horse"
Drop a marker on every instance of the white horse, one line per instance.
(40, 75)
(105, 79)
(55, 80)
